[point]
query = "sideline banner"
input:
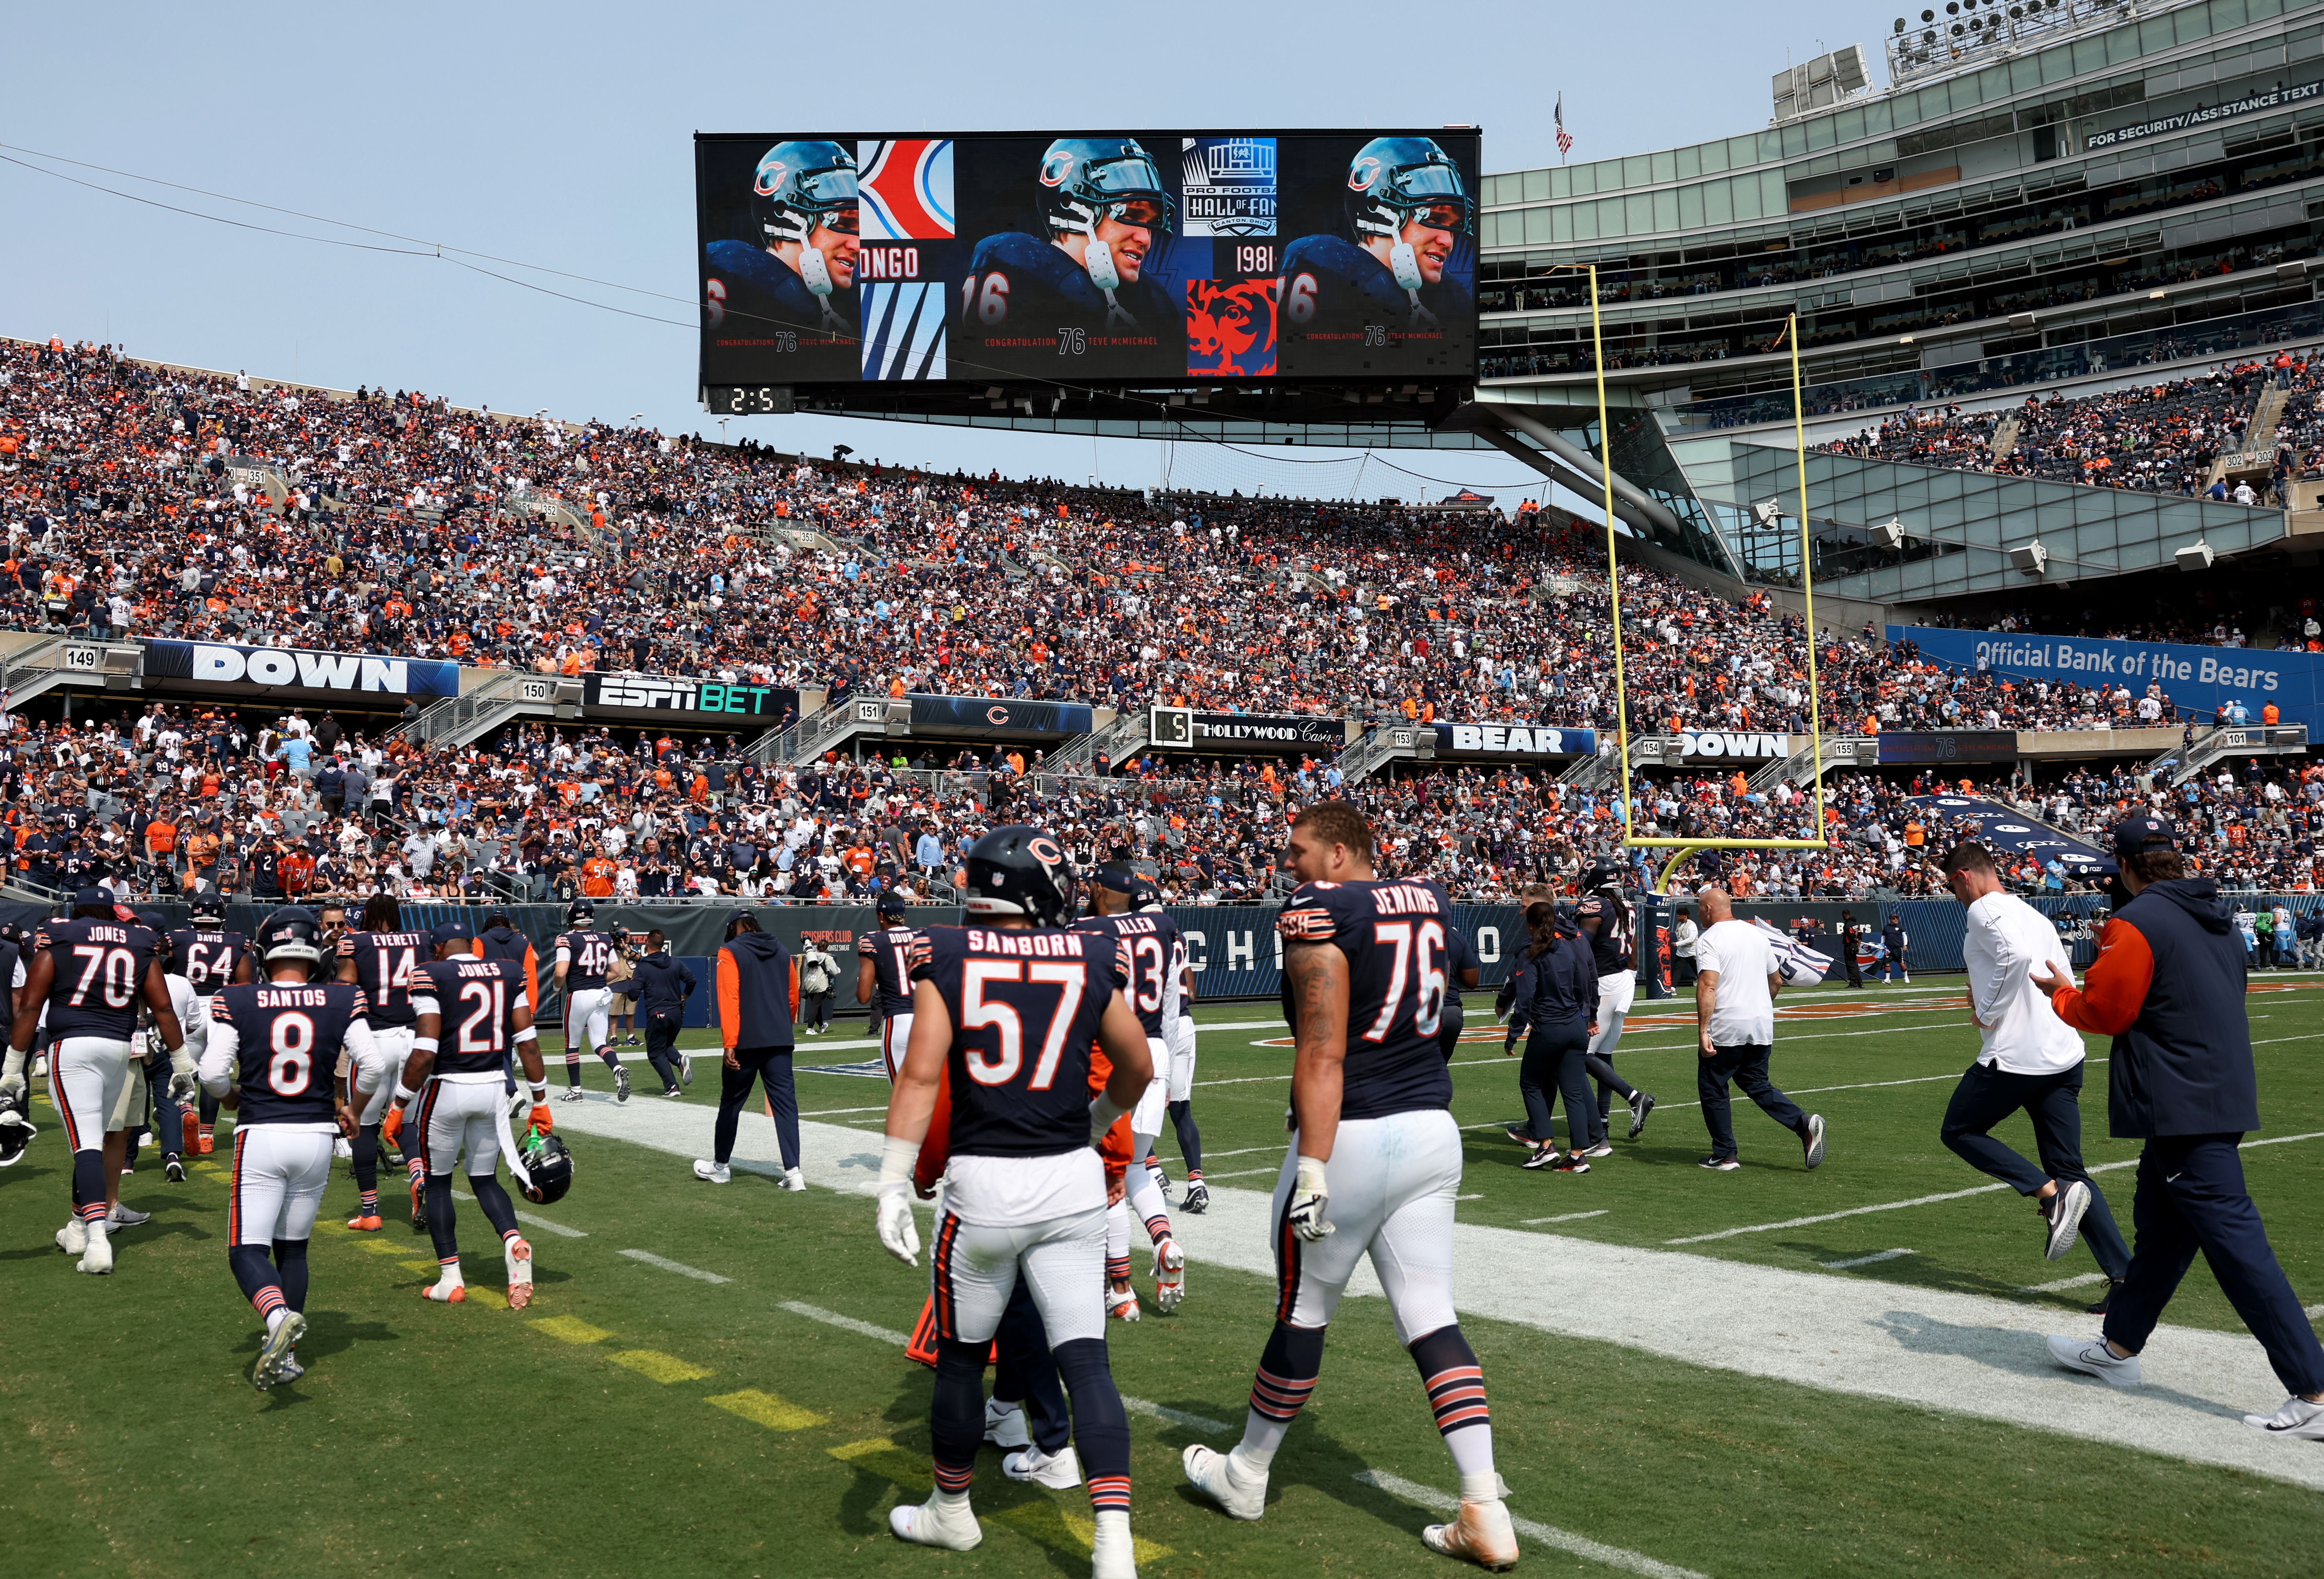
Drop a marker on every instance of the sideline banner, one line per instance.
(2200, 679)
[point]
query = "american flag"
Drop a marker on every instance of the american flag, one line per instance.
(1564, 137)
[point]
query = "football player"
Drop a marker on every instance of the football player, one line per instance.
(1373, 1168)
(193, 1019)
(464, 1109)
(384, 960)
(1407, 210)
(1606, 922)
(90, 973)
(210, 958)
(1103, 211)
(1146, 945)
(798, 271)
(1179, 1020)
(1005, 1009)
(271, 1048)
(883, 977)
(584, 956)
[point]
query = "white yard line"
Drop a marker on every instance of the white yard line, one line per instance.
(1581, 1546)
(1569, 1216)
(1865, 1260)
(1240, 1173)
(1863, 1337)
(680, 1268)
(2062, 1284)
(1931, 1200)
(529, 1218)
(1154, 1411)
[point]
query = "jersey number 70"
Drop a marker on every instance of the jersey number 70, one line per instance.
(1071, 978)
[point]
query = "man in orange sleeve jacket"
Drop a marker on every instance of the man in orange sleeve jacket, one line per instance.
(2168, 986)
(758, 994)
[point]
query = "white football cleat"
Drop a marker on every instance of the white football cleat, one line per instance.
(1004, 1426)
(793, 1180)
(1060, 1472)
(621, 1083)
(1482, 1534)
(280, 1339)
(1219, 1477)
(96, 1258)
(1169, 1276)
(73, 1237)
(1112, 1554)
(520, 1273)
(710, 1172)
(940, 1521)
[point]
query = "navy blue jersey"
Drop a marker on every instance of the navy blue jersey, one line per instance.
(756, 306)
(208, 957)
(478, 1000)
(1147, 945)
(1609, 946)
(100, 977)
(1395, 936)
(1460, 955)
(1022, 294)
(586, 958)
(287, 1042)
(387, 968)
(1334, 291)
(1025, 1005)
(890, 950)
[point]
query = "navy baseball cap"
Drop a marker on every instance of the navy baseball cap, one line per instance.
(92, 899)
(453, 932)
(892, 903)
(1119, 882)
(2134, 836)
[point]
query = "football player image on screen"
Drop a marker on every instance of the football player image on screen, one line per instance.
(1105, 213)
(1407, 209)
(797, 271)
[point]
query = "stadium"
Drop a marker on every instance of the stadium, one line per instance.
(1939, 464)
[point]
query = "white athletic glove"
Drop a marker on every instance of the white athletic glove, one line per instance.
(12, 1086)
(897, 1229)
(1309, 1196)
(183, 1087)
(898, 1158)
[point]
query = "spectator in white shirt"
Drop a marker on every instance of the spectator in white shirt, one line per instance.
(2029, 1059)
(1735, 987)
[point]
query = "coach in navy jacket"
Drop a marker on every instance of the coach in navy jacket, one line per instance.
(661, 986)
(758, 996)
(2168, 986)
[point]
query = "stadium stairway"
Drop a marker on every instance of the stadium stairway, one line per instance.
(1126, 736)
(2004, 440)
(2178, 764)
(507, 696)
(1840, 751)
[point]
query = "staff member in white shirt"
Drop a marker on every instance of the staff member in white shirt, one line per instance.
(1682, 936)
(1735, 987)
(2031, 1060)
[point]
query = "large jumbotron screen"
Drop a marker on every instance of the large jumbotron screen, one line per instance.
(1094, 258)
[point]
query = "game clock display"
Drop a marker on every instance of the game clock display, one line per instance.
(1105, 257)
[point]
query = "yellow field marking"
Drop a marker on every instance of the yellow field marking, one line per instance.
(656, 1366)
(568, 1329)
(766, 1410)
(383, 1247)
(492, 1298)
(436, 1267)
(1065, 1531)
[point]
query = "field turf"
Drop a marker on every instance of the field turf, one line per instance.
(641, 1420)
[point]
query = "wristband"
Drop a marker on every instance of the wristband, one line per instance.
(403, 1095)
(423, 1044)
(1103, 1111)
(528, 1034)
(897, 1159)
(539, 1089)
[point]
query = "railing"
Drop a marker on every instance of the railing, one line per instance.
(458, 719)
(1126, 733)
(1854, 750)
(809, 738)
(2183, 762)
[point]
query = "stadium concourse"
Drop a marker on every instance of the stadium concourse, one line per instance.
(399, 525)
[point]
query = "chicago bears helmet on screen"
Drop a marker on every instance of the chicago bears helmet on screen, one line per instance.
(800, 185)
(1085, 180)
(1392, 182)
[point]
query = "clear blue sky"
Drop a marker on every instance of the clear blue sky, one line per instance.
(562, 136)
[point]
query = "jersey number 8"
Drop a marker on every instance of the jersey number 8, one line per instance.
(292, 1064)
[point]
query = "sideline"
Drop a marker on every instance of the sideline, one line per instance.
(1846, 1334)
(1581, 1546)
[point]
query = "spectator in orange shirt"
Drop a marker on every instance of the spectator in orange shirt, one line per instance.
(597, 876)
(296, 871)
(162, 838)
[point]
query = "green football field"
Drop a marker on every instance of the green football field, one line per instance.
(711, 1378)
